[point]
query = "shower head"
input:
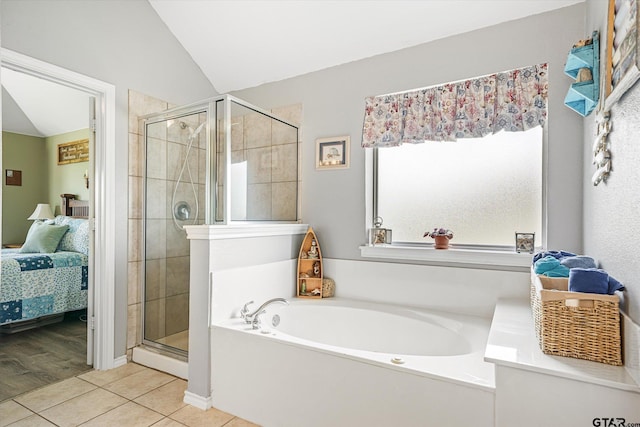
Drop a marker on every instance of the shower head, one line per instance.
(195, 133)
(192, 133)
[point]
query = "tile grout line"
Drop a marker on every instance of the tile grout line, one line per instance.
(59, 403)
(102, 387)
(96, 386)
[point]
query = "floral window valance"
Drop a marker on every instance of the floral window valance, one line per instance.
(514, 100)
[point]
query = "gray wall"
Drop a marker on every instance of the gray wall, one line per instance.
(612, 209)
(333, 105)
(122, 42)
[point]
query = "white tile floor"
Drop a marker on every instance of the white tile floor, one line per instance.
(130, 395)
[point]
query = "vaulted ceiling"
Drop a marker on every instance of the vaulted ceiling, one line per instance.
(244, 43)
(240, 44)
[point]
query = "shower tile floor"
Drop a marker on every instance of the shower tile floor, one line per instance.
(130, 395)
(179, 340)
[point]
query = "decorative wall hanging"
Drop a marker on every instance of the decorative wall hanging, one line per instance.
(622, 67)
(601, 153)
(73, 152)
(332, 153)
(583, 65)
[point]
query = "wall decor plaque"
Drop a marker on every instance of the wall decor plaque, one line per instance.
(73, 152)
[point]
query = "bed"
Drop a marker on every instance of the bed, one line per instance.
(48, 276)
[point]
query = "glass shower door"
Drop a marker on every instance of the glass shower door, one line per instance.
(174, 181)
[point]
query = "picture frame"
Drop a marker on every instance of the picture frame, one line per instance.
(525, 242)
(332, 153)
(73, 152)
(622, 66)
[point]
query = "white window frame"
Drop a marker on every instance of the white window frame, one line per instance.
(468, 256)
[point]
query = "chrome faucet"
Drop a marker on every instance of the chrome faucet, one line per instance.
(254, 318)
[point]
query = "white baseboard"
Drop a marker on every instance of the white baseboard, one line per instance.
(120, 361)
(199, 402)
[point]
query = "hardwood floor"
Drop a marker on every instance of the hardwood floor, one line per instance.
(41, 356)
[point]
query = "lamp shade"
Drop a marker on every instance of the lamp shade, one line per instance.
(43, 211)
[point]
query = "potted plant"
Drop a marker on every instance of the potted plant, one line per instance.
(441, 236)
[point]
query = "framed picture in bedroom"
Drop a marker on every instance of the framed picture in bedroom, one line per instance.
(73, 152)
(332, 153)
(622, 65)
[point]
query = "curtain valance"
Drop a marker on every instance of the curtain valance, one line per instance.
(514, 100)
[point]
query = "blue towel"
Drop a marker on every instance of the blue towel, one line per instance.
(579, 261)
(614, 286)
(589, 280)
(593, 280)
(550, 266)
(555, 254)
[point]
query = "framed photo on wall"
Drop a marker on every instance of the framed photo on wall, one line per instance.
(622, 66)
(332, 153)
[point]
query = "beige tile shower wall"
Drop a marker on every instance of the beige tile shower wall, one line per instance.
(270, 148)
(284, 191)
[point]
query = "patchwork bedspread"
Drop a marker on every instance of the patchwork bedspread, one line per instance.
(35, 285)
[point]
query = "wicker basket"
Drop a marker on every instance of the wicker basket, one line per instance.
(575, 324)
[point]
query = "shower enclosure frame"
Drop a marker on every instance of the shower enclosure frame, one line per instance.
(209, 107)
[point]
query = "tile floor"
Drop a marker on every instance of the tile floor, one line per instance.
(130, 395)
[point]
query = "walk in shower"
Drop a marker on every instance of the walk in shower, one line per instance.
(219, 161)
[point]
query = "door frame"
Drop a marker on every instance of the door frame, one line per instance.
(103, 195)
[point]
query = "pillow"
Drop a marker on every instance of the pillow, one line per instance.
(77, 238)
(43, 238)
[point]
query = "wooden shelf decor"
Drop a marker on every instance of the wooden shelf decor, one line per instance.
(310, 270)
(583, 95)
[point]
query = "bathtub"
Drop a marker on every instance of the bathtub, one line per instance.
(338, 362)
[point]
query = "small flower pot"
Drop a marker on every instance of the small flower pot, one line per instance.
(441, 242)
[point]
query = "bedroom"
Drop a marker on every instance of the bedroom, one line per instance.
(36, 346)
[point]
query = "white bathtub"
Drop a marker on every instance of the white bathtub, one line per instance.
(336, 362)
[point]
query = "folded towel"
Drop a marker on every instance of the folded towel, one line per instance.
(555, 254)
(545, 264)
(593, 280)
(579, 261)
(550, 267)
(560, 271)
(614, 286)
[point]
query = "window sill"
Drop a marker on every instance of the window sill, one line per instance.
(453, 257)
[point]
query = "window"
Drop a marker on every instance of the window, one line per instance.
(484, 190)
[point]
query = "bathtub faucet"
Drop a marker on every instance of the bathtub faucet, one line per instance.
(254, 318)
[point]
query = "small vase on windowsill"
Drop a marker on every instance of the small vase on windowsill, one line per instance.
(441, 242)
(441, 236)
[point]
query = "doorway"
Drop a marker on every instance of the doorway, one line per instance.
(102, 206)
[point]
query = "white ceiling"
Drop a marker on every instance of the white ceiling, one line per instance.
(37, 107)
(244, 43)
